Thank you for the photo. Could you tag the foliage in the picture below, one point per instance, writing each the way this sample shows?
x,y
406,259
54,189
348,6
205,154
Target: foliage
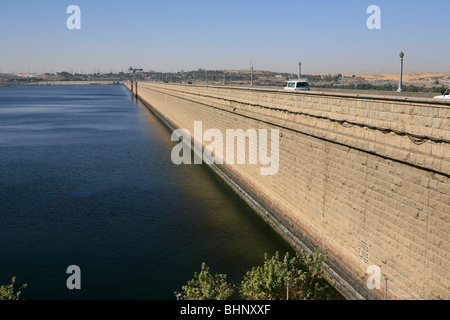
x,y
7,291
300,276
205,286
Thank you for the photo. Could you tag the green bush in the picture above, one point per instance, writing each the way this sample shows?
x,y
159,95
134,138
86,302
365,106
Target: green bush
x,y
7,291
296,277
205,286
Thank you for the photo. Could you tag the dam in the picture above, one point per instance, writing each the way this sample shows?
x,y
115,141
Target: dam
x,y
363,177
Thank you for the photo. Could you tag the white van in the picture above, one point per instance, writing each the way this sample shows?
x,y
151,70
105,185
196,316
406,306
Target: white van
x,y
301,84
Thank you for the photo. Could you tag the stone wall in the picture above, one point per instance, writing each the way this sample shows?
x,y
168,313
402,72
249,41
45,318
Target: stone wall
x,y
365,178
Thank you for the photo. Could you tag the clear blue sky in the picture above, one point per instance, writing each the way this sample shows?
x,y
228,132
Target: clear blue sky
x,y
327,36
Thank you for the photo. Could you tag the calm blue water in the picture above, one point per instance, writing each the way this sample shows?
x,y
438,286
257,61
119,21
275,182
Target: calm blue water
x,y
86,179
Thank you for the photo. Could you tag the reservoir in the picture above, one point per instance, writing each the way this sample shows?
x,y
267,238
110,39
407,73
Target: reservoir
x,y
86,179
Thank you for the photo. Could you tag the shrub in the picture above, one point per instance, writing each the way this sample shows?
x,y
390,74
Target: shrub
x,y
298,278
205,286
7,291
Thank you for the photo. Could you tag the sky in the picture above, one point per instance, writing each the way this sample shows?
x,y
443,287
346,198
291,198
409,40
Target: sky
x,y
326,36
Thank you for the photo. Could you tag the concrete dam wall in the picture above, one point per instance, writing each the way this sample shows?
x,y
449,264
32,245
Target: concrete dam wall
x,y
364,178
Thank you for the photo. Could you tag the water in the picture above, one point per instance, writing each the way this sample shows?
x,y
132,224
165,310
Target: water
x,y
86,179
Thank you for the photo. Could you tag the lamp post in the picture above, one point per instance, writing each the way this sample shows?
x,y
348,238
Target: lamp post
x,y
251,74
299,70
400,89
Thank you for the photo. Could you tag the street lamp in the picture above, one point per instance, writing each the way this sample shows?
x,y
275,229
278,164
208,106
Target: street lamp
x,y
299,70
251,74
400,89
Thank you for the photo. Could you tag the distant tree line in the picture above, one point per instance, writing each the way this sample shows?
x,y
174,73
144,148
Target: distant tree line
x,y
202,76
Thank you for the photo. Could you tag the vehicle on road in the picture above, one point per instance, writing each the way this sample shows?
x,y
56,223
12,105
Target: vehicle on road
x,y
445,95
301,84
